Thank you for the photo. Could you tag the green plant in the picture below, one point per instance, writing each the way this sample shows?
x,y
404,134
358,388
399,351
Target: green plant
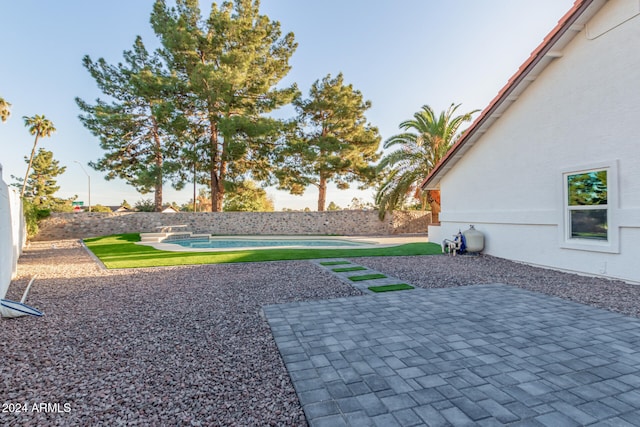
x,y
100,208
334,262
32,215
145,205
425,140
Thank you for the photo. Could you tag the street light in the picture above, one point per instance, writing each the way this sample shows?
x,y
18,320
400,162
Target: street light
x,y
89,179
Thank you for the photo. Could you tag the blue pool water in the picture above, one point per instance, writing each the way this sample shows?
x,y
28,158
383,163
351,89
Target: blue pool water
x,y
247,243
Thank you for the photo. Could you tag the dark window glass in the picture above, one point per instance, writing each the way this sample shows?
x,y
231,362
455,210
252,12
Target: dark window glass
x,y
589,224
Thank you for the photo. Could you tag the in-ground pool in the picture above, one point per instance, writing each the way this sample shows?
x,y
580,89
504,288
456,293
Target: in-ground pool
x,y
244,243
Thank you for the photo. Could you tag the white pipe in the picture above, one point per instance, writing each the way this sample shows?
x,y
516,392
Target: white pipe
x,y
26,291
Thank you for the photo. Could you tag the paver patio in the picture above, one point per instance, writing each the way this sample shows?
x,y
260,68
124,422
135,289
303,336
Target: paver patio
x,y
473,355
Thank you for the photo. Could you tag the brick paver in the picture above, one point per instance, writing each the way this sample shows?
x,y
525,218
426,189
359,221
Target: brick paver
x,y
473,355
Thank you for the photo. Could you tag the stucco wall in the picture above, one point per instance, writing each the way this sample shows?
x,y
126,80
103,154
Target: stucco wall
x,y
81,225
582,110
12,234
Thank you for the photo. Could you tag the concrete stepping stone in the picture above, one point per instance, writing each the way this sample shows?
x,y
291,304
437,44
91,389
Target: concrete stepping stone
x,y
346,270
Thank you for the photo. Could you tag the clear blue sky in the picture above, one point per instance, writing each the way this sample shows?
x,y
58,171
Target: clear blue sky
x,y
401,54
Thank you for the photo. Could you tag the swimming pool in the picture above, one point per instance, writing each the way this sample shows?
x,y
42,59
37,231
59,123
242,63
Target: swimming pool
x,y
263,243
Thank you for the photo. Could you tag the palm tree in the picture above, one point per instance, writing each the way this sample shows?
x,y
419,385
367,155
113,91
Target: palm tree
x,y
38,126
4,109
426,139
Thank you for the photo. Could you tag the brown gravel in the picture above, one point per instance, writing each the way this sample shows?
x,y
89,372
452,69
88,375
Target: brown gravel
x,y
164,346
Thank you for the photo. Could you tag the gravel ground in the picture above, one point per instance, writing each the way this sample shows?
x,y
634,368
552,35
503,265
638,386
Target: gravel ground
x,y
446,271
152,347
187,345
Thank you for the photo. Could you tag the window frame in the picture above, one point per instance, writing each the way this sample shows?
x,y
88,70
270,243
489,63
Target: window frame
x,y
611,244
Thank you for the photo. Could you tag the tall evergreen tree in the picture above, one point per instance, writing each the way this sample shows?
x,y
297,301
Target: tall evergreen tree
x,y
140,128
5,111
231,63
425,140
334,142
38,126
41,183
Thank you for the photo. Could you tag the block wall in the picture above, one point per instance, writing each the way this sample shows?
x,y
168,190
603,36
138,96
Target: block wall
x,y
82,225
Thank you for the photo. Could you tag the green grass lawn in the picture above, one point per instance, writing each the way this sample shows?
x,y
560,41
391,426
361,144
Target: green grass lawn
x,y
120,251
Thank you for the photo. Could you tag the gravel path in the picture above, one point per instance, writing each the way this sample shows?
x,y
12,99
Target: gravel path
x,y
188,345
445,271
165,346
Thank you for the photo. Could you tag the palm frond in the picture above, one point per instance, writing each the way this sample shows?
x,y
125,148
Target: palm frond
x,y
424,142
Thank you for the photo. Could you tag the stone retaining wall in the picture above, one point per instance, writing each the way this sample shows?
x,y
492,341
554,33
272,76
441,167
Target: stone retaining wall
x,y
81,225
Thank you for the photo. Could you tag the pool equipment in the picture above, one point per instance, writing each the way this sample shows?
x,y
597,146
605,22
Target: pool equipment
x,y
473,239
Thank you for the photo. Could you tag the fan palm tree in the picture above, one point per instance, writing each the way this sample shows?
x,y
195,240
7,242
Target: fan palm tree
x,y
425,140
4,109
38,126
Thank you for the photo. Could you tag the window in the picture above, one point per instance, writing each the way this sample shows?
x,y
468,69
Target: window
x,y
589,208
587,205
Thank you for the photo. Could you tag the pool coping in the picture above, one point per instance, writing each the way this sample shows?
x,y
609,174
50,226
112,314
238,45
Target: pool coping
x,y
366,242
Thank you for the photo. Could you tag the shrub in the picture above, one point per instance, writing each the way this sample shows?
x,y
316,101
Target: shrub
x,y
145,205
100,208
32,215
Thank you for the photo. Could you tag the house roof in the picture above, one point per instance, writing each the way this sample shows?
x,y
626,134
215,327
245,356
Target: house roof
x,y
550,49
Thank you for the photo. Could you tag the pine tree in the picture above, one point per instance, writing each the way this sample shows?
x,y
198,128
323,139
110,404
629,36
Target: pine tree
x,y
140,128
230,63
334,142
41,183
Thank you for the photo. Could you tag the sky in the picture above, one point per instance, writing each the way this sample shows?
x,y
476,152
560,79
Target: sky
x,y
401,54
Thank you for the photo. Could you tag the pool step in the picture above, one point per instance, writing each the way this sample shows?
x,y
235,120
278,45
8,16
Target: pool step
x,y
160,236
152,237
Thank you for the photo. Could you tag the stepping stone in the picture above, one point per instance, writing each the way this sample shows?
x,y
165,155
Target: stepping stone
x,y
361,277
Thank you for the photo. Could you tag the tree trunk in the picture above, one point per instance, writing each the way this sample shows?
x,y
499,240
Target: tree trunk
x,y
33,152
214,190
217,201
223,174
217,186
215,158
194,185
433,196
159,161
322,193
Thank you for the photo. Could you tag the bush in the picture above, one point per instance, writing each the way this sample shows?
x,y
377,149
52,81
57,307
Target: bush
x,y
145,205
32,215
100,208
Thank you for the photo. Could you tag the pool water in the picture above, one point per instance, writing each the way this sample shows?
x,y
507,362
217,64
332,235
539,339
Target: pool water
x,y
262,243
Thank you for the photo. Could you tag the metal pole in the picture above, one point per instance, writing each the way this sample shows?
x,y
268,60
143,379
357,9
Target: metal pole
x,y
88,179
